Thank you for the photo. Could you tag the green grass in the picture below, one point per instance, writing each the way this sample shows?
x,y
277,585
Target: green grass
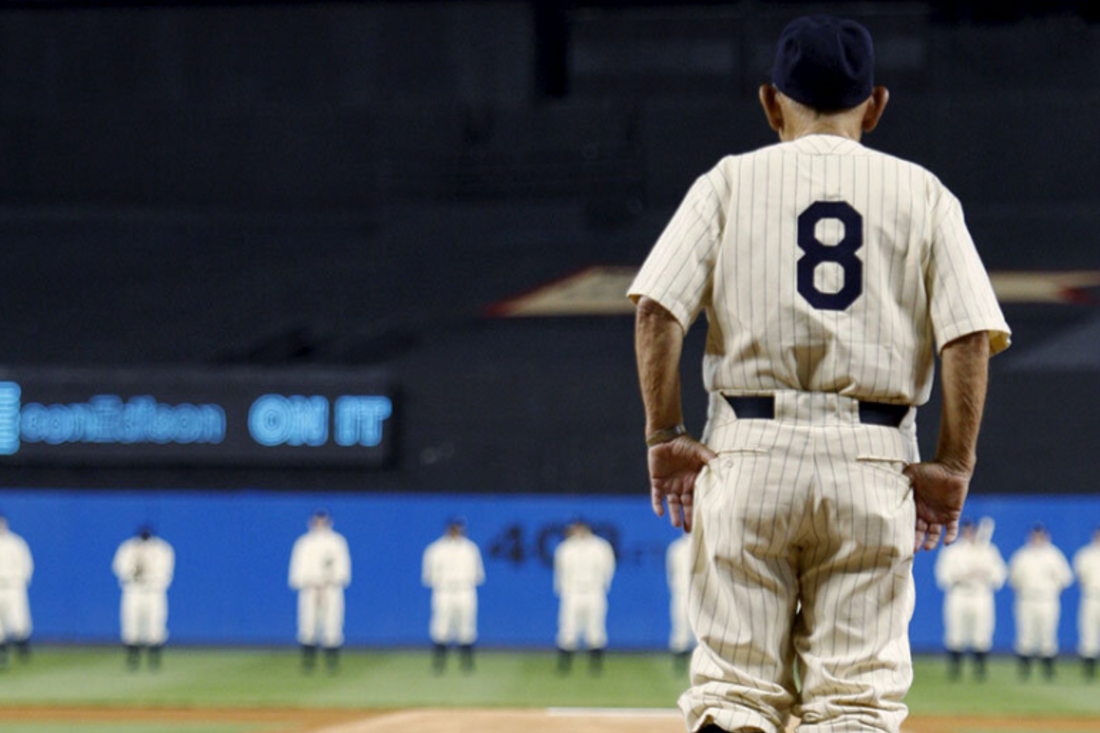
x,y
399,679
261,678
1003,694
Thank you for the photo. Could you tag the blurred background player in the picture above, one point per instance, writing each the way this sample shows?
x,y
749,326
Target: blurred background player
x,y
1086,563
320,569
970,572
144,565
1038,572
584,565
16,569
452,568
678,568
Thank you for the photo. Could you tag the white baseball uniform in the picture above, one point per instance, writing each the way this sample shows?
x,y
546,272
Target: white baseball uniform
x,y
1038,574
452,568
584,565
969,572
678,569
830,274
320,569
16,569
144,569
1086,563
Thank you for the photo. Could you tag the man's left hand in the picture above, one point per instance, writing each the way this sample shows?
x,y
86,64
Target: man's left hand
x,y
673,468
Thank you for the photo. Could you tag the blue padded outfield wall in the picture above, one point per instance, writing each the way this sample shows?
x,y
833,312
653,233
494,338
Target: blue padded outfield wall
x,y
233,549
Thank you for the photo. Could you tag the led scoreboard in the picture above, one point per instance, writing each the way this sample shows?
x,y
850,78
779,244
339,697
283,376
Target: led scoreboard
x,y
207,417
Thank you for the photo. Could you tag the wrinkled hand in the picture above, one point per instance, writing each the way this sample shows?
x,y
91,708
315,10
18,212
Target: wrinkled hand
x,y
673,467
940,492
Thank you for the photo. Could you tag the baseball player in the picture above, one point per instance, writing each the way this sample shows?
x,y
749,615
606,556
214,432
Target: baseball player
x,y
452,568
1086,563
969,572
831,275
678,569
584,565
144,566
16,569
320,569
1038,572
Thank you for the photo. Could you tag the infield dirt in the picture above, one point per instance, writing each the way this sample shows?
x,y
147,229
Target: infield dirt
x,y
305,720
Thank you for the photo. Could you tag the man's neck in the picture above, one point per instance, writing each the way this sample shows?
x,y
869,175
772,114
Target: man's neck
x,y
822,127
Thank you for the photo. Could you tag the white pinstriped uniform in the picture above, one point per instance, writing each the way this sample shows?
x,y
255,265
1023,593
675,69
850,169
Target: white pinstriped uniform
x,y
678,569
16,571
812,507
970,572
1086,564
1038,573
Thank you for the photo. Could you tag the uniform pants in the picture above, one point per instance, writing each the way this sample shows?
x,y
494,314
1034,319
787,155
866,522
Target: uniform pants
x,y
15,614
680,640
968,620
144,616
803,549
1037,627
582,613
1088,627
454,617
321,616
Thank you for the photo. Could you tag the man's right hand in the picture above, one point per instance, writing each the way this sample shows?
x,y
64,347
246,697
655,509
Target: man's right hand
x,y
940,492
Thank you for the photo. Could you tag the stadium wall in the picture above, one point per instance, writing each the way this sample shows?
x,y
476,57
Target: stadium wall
x,y
233,549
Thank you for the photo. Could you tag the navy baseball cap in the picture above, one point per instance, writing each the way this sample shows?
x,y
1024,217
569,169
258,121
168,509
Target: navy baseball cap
x,y
824,62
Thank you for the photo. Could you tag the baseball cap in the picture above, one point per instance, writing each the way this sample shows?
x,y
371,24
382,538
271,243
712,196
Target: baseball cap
x,y
825,62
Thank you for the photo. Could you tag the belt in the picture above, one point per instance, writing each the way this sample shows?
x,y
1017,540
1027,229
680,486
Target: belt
x,y
762,407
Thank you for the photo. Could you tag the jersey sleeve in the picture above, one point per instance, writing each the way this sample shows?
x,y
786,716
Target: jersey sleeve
x,y
960,295
943,569
426,566
479,567
343,565
679,271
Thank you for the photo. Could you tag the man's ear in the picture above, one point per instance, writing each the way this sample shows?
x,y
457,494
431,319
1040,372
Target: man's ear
x,y
880,97
769,100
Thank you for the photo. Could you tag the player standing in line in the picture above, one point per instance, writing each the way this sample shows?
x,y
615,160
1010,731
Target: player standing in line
x,y
678,569
320,570
1086,563
452,568
16,569
831,275
969,572
144,565
1038,572
584,565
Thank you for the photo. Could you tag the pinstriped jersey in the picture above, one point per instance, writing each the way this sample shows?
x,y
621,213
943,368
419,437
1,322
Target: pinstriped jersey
x,y
822,266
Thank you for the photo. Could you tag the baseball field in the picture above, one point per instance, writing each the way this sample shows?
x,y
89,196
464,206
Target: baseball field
x,y
89,690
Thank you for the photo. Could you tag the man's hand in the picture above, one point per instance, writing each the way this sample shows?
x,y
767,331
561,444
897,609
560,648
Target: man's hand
x,y
940,492
673,467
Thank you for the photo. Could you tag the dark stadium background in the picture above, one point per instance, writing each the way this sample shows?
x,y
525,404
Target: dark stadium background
x,y
258,191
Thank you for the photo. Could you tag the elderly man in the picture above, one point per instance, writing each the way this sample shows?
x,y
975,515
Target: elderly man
x,y
831,275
